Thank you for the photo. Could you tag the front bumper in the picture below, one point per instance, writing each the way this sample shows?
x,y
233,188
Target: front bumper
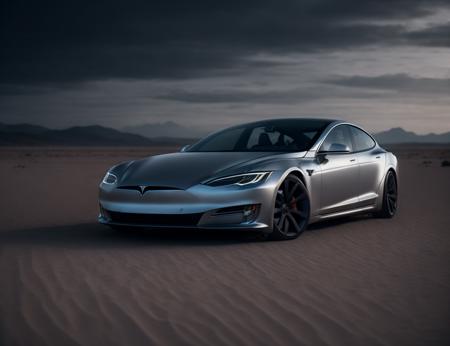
x,y
201,206
214,219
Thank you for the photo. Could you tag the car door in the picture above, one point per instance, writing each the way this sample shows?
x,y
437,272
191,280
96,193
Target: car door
x,y
371,162
339,172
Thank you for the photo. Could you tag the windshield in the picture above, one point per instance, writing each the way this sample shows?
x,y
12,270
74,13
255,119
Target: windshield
x,y
286,135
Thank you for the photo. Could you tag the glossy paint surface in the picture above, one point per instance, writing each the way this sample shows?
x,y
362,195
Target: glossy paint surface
x,y
338,183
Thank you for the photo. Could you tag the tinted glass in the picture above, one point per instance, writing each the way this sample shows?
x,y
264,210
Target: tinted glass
x,y
340,135
361,140
286,135
223,141
261,137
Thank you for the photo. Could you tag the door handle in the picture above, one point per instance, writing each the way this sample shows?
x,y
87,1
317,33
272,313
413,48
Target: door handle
x,y
352,160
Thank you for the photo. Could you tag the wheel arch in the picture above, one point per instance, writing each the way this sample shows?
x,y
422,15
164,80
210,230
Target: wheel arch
x,y
299,175
392,169
381,187
290,171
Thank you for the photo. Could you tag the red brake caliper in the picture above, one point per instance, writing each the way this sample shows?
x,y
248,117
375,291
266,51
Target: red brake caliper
x,y
293,204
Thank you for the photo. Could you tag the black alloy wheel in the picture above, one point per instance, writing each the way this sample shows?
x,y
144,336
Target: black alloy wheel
x,y
390,196
291,210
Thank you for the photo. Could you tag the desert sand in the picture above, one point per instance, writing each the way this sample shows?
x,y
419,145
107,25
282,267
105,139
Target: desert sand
x,y
66,280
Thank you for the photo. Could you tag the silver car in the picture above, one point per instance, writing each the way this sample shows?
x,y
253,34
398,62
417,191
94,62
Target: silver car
x,y
276,176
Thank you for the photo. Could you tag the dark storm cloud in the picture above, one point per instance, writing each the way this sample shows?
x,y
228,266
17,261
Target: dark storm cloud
x,y
72,41
234,96
289,96
398,82
437,36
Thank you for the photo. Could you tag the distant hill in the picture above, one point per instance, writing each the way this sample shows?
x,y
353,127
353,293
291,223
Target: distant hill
x,y
399,135
22,128
166,129
25,134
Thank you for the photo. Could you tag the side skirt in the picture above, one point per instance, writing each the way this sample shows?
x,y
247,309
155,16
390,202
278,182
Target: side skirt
x,y
343,213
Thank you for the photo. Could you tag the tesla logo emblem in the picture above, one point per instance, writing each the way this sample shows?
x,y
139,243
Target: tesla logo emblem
x,y
142,189
310,171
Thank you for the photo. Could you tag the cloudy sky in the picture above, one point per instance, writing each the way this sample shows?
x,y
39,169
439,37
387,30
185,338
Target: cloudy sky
x,y
208,64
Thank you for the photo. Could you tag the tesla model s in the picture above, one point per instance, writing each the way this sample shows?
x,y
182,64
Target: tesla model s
x,y
276,176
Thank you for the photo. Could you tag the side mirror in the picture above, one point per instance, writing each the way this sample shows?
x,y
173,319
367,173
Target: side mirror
x,y
337,148
321,157
184,148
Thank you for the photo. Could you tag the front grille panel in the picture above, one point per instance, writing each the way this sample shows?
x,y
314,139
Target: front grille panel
x,y
186,220
143,189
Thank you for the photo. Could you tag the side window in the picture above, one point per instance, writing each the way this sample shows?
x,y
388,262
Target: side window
x,y
340,135
361,140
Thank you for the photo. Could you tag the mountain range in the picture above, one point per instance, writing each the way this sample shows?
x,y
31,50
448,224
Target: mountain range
x,y
33,135
399,135
168,133
165,129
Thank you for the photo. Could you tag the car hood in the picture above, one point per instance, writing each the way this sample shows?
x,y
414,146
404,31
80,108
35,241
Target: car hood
x,y
183,170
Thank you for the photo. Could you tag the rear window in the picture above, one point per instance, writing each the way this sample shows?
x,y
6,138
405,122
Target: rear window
x,y
362,141
339,135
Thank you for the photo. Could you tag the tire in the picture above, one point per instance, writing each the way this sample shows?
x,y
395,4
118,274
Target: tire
x,y
291,210
390,196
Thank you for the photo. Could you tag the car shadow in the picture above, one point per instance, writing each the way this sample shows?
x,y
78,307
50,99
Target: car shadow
x,y
349,219
96,235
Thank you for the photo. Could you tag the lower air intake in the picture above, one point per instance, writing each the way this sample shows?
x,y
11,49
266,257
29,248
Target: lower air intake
x,y
186,220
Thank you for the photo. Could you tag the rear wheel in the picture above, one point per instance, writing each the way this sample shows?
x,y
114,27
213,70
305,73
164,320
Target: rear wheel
x,y
390,195
291,210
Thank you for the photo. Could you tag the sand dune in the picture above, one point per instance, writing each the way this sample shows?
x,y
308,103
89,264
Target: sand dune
x,y
356,281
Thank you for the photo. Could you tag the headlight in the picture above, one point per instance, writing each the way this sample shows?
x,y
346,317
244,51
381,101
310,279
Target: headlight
x,y
110,178
240,179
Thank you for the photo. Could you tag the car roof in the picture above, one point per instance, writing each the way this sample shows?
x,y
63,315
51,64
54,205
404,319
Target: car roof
x,y
311,121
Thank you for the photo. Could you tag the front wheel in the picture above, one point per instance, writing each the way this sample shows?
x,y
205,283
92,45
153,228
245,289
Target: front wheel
x,y
390,195
291,210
